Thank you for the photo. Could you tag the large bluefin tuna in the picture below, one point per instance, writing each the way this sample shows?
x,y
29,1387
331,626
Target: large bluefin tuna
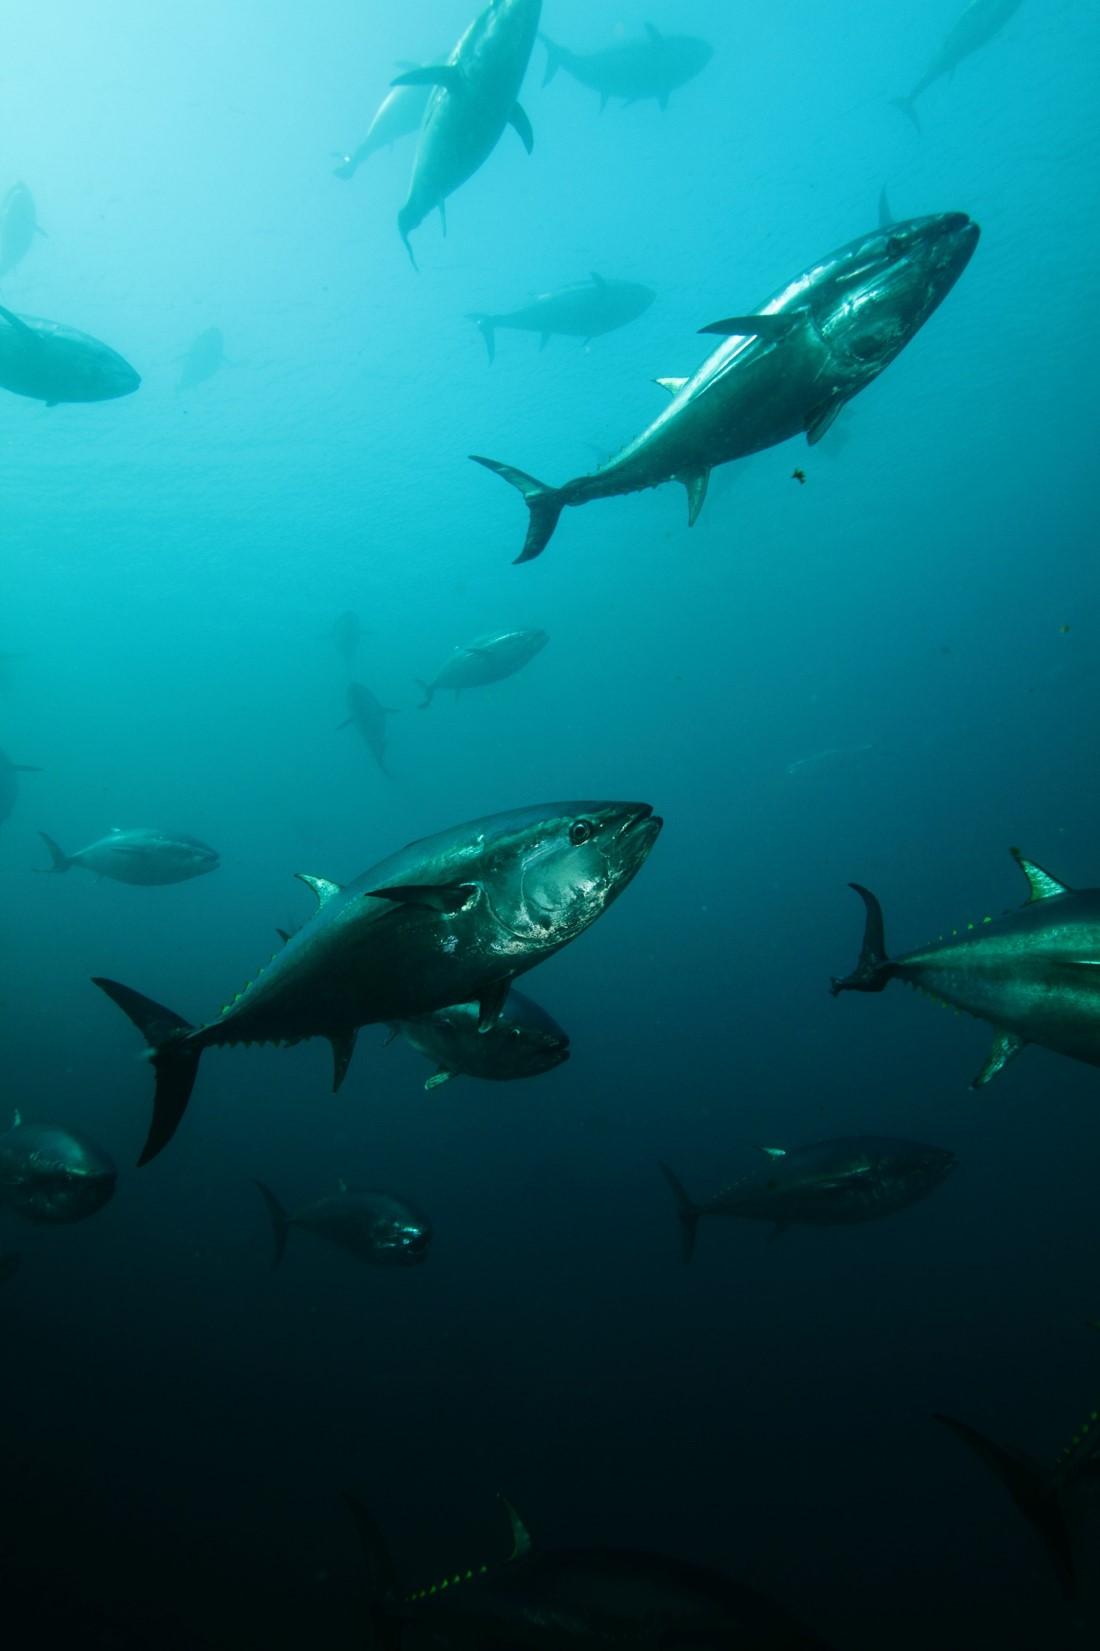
x,y
653,66
1033,974
372,1226
138,856
201,360
453,918
52,363
981,20
585,310
53,1175
474,97
786,369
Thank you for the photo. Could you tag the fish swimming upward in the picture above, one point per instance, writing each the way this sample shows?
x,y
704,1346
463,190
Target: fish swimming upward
x,y
1033,974
977,26
487,659
398,115
786,369
452,918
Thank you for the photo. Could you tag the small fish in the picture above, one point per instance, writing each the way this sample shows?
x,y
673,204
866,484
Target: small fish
x,y
488,659
633,70
201,359
524,1042
372,1226
1063,630
138,856
368,717
53,1175
53,363
799,476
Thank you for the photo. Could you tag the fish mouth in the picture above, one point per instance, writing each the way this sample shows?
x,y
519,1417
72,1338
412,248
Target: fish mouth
x,y
641,815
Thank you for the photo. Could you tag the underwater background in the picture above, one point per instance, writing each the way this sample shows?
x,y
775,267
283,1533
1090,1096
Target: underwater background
x,y
888,674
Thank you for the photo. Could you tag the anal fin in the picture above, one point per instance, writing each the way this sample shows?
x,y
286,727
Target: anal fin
x,y
696,483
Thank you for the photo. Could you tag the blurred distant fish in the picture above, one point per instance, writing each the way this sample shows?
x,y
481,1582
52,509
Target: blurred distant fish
x,y
828,1184
52,363
489,659
18,227
453,918
830,757
9,785
371,1226
978,24
473,98
347,633
788,367
584,310
9,1266
399,114
524,1042
138,856
201,359
53,1175
368,717
635,69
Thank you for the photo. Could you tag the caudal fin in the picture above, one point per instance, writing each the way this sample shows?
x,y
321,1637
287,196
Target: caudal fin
x,y
174,1060
383,1632
61,861
1031,1490
484,325
873,969
280,1221
544,503
687,1211
555,57
908,107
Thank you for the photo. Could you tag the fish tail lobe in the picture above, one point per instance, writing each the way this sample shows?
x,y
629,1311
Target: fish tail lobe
x,y
545,505
60,860
873,968
174,1059
555,57
687,1212
908,107
485,326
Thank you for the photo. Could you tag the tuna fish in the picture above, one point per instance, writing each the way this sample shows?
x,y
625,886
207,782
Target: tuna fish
x,y
453,918
201,359
522,1043
1033,974
787,368
371,1226
138,856
9,784
585,310
52,363
473,98
977,26
368,718
828,1184
634,70
18,227
489,659
399,114
53,1175
575,1598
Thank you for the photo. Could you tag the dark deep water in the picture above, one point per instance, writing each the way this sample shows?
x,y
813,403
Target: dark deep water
x,y
888,674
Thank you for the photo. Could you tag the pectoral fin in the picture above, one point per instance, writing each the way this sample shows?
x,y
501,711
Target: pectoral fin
x,y
444,897
518,119
1041,884
821,422
490,1004
772,327
672,385
432,74
696,483
1005,1046
438,1077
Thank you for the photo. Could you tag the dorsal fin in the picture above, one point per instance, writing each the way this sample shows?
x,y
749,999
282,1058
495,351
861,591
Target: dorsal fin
x,y
1042,885
321,886
521,1536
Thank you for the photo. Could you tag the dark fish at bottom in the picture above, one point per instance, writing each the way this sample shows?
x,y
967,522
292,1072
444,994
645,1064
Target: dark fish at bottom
x,y
371,1226
53,1175
524,1042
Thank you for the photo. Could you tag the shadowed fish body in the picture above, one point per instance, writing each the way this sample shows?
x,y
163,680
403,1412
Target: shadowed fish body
x,y
568,1599
18,227
1033,974
453,918
522,1043
787,368
827,1184
489,659
398,115
473,98
368,718
53,1175
52,363
977,26
139,856
202,359
371,1226
9,783
634,70
585,310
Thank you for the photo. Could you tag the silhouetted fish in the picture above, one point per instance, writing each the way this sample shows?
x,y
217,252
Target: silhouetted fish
x,y
399,114
981,20
201,359
653,66
368,717
53,1175
584,310
488,659
371,1226
138,856
52,363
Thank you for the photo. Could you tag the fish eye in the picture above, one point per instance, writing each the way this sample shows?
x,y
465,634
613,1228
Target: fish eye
x,y
580,831
894,247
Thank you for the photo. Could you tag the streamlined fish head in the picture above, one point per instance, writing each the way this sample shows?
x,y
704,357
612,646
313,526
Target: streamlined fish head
x,y
878,292
53,1175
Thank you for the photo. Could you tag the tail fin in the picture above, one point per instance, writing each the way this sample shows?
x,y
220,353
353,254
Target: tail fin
x,y
347,167
1031,1491
544,503
280,1221
874,968
484,325
555,57
688,1212
908,107
61,861
428,692
174,1061
383,1633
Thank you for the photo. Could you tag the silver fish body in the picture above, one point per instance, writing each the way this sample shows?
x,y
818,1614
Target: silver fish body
x,y
140,855
53,363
